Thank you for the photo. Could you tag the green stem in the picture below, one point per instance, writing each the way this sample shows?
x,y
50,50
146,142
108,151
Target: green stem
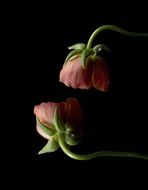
x,y
67,151
93,155
116,29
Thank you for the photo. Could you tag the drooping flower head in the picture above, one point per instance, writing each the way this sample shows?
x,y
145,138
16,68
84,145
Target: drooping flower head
x,y
70,114
84,69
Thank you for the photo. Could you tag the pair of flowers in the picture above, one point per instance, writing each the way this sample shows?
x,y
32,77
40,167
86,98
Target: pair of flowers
x,y
82,71
61,123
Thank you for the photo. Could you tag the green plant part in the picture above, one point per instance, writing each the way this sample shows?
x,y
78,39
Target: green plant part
x,y
66,149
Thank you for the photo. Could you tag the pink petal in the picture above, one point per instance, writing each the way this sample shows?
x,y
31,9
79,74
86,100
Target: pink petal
x,y
74,115
45,112
74,75
100,76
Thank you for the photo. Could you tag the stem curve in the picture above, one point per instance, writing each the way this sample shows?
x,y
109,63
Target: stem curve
x,y
93,155
116,29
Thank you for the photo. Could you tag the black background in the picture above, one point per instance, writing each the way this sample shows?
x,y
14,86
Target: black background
x,y
37,36
116,119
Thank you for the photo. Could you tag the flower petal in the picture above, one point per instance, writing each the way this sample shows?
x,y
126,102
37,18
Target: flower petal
x,y
45,112
74,75
74,116
100,76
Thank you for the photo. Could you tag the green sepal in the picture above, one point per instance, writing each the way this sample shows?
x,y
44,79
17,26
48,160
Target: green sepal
x,y
101,46
49,131
51,146
72,139
85,54
59,125
79,46
72,53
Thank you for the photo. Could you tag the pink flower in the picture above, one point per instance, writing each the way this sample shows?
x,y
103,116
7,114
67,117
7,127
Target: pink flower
x,y
95,74
70,113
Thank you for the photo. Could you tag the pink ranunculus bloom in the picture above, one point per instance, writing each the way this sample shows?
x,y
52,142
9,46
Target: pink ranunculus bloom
x,y
95,74
70,113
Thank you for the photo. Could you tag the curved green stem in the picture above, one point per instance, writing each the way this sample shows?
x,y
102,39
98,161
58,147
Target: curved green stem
x,y
93,155
66,149
116,29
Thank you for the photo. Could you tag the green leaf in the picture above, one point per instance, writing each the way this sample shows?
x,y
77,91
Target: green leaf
x,y
99,47
71,54
51,146
86,53
59,125
48,131
80,46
